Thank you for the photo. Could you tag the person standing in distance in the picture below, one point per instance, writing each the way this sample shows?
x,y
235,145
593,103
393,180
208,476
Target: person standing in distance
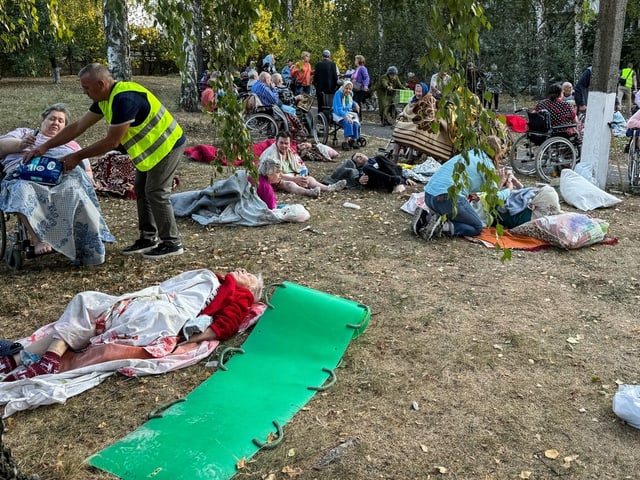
x,y
144,128
325,78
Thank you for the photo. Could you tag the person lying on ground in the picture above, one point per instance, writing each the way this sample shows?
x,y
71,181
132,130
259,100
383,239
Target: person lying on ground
x,y
295,178
465,222
191,307
65,217
377,173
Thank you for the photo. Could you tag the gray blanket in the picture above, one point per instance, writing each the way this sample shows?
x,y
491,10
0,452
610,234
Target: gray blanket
x,y
231,201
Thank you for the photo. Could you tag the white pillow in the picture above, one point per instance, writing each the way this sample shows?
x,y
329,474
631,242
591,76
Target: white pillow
x,y
577,191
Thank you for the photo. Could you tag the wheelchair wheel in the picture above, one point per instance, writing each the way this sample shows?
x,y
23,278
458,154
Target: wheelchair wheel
x,y
362,142
3,234
322,128
555,154
522,156
13,258
261,127
634,164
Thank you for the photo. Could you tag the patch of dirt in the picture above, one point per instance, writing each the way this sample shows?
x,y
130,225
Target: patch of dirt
x,y
465,370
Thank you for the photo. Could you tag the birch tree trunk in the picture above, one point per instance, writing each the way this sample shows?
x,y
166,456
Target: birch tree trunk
x,y
189,94
380,37
578,34
116,31
541,46
602,93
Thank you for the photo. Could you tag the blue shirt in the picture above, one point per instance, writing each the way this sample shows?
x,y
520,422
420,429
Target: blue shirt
x,y
268,96
442,180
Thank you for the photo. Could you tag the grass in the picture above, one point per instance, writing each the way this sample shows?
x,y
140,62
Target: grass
x,y
479,346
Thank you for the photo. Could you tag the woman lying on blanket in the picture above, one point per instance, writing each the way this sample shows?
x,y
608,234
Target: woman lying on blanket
x,y
191,307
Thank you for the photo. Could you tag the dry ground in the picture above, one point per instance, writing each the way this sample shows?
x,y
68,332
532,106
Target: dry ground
x,y
479,347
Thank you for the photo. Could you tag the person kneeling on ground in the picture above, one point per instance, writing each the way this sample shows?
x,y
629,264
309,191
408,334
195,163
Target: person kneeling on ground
x,y
192,307
373,173
294,172
466,222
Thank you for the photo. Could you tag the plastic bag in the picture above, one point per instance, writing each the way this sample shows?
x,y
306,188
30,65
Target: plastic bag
x,y
578,192
626,404
567,230
292,212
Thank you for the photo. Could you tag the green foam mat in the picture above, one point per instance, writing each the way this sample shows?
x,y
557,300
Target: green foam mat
x,y
290,354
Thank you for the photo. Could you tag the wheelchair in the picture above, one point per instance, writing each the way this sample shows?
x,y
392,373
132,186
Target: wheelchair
x,y
542,149
15,245
263,122
326,127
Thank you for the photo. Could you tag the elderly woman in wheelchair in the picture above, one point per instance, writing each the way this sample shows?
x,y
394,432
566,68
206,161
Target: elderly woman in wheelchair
x,y
65,217
345,112
552,141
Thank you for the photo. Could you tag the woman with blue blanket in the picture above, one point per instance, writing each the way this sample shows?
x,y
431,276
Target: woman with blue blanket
x,y
345,112
65,217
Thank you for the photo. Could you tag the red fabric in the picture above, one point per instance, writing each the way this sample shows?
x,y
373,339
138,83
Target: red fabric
x,y
516,123
206,153
229,307
202,153
48,363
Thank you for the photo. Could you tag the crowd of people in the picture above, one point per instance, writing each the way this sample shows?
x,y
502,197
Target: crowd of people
x,y
67,217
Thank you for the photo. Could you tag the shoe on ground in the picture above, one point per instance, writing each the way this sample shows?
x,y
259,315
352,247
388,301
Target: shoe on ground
x,y
420,219
398,188
314,192
345,146
164,250
433,229
141,245
336,187
353,143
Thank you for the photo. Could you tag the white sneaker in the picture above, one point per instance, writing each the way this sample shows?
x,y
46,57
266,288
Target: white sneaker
x,y
398,188
314,192
336,187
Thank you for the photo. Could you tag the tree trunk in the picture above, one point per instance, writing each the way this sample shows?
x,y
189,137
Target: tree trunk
x,y
602,92
290,12
116,31
8,468
381,68
578,33
189,94
541,46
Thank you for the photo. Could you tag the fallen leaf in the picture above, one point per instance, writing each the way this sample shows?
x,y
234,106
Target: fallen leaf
x,y
240,464
424,448
573,340
271,476
291,471
291,452
552,453
439,469
524,474
568,459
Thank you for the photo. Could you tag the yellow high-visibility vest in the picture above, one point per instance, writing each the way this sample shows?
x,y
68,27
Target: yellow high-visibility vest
x,y
148,143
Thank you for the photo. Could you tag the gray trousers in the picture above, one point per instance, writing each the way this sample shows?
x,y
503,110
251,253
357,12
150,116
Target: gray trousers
x,y
153,188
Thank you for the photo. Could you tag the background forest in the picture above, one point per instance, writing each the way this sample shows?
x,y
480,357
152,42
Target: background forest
x,y
532,42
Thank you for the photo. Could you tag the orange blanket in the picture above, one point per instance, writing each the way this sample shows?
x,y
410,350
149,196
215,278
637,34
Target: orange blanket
x,y
517,242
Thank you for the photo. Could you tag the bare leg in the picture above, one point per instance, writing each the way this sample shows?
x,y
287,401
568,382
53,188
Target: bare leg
x,y
292,187
39,246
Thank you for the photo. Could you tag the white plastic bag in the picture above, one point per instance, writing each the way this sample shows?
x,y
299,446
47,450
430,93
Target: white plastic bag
x,y
293,212
580,193
626,404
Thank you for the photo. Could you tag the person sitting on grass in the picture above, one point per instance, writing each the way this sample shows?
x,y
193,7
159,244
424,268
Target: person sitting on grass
x,y
269,175
372,173
192,307
465,222
294,172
